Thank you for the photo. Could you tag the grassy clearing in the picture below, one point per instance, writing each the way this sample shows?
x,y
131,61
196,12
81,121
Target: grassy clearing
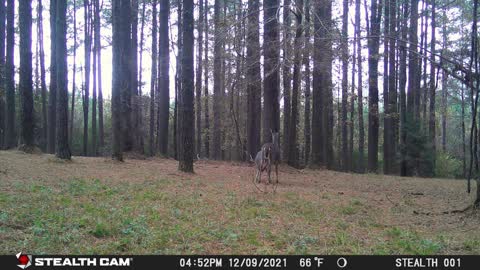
x,y
191,214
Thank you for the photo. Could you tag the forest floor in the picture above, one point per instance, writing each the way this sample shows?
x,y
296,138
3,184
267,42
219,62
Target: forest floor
x,y
99,206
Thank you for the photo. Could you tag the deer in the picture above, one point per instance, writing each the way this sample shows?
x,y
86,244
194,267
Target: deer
x,y
268,155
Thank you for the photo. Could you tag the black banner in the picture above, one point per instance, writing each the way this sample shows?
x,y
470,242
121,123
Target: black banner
x,y
30,261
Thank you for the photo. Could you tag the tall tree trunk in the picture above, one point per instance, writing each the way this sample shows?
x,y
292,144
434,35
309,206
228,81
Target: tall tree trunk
x,y
352,102
62,148
344,158
163,76
25,80
187,115
94,150
101,132
120,72
218,90
43,84
402,86
444,81
86,96
52,98
254,87
392,88
137,125
431,125
287,78
319,95
293,151
198,77
413,78
178,83
387,129
152,145
2,75
373,52
361,128
207,115
306,63
271,119
74,71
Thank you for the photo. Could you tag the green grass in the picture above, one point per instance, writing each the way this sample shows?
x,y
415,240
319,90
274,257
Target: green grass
x,y
92,216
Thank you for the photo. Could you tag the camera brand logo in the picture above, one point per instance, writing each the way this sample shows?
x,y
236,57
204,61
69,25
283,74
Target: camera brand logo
x,y
24,261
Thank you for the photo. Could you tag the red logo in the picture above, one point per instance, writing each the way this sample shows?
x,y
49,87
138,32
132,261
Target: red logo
x,y
24,261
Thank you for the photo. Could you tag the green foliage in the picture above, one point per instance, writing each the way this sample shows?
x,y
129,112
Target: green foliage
x,y
407,242
419,149
447,166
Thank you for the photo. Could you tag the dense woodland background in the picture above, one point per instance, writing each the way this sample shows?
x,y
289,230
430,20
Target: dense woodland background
x,y
362,86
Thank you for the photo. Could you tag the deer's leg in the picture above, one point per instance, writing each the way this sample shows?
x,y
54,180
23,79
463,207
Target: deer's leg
x,y
269,173
276,171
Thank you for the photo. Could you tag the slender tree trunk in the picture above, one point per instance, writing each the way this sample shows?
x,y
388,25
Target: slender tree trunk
x,y
164,81
86,95
207,116
43,84
402,87
187,115
306,63
345,160
431,125
287,78
218,90
271,119
2,75
392,89
198,86
138,144
351,122
94,150
387,129
152,145
361,128
62,148
120,74
101,132
74,72
444,82
293,151
178,83
52,99
253,80
373,52
413,78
